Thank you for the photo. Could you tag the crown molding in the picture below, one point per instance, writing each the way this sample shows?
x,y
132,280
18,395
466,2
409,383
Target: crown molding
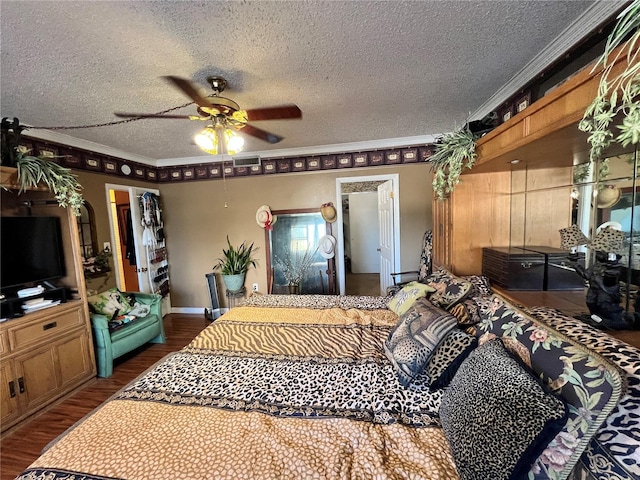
x,y
306,151
62,139
592,18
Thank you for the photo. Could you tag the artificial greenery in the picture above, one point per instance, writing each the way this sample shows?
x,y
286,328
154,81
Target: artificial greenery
x,y
617,94
235,261
34,170
455,151
295,267
64,184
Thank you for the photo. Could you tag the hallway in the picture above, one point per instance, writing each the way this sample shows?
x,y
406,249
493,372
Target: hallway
x,y
362,284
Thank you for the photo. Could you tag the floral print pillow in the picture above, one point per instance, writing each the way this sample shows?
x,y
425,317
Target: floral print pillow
x,y
589,384
449,289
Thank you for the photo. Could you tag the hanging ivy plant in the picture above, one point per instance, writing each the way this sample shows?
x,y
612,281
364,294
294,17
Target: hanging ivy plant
x,y
620,94
454,152
64,184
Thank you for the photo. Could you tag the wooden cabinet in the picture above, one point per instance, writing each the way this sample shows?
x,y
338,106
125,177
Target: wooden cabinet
x,y
476,215
480,211
45,354
49,354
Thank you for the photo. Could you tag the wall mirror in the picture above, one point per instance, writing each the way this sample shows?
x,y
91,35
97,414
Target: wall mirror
x,y
594,199
295,263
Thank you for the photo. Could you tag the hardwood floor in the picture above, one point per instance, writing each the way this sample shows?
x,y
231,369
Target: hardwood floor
x,y
22,445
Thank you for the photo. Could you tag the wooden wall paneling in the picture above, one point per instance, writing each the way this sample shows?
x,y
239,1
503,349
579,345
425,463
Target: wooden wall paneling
x,y
442,232
480,217
548,205
553,117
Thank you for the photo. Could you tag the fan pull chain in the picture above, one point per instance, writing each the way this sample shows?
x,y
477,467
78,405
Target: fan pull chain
x,y
108,124
224,185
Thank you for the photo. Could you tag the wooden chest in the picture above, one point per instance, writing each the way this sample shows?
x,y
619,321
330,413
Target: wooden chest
x,y
514,268
559,273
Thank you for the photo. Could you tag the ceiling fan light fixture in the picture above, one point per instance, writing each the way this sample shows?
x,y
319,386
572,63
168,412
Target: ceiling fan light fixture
x,y
209,142
235,142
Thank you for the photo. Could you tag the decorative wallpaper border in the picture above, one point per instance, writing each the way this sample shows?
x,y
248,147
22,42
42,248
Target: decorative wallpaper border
x,y
79,159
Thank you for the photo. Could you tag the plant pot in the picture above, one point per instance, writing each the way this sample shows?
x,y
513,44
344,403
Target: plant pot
x,y
234,283
293,288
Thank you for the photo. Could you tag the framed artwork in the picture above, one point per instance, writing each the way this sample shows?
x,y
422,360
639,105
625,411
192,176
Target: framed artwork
x,y
523,102
506,113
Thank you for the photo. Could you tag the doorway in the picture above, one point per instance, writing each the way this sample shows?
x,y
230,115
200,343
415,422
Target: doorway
x,y
120,223
382,232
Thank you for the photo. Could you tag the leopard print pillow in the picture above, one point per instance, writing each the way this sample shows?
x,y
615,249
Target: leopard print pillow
x,y
491,384
415,337
448,356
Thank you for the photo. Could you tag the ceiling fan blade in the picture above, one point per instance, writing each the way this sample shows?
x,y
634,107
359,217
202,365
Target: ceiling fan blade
x,y
157,115
261,134
192,92
273,113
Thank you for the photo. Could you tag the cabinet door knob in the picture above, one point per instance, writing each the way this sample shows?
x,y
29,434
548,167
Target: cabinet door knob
x,y
525,265
21,384
12,389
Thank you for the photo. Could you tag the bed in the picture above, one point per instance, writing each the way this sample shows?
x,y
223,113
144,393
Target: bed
x,y
290,386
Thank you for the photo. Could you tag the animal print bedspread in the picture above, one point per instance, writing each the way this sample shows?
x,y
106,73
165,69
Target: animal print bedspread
x,y
270,398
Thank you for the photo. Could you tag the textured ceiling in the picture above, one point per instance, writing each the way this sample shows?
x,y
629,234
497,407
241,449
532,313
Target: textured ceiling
x,y
360,71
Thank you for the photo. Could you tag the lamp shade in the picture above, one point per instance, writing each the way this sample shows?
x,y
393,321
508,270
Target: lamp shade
x,y
572,237
608,240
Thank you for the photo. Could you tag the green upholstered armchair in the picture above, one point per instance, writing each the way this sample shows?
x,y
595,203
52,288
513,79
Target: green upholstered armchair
x,y
111,344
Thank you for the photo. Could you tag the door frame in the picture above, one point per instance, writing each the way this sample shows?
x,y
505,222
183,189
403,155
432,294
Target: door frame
x,y
395,180
140,253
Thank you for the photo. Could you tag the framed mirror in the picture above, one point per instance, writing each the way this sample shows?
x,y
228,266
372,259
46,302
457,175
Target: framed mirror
x,y
297,263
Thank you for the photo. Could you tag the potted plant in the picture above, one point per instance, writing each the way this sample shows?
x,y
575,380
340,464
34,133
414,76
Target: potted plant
x,y
32,170
234,263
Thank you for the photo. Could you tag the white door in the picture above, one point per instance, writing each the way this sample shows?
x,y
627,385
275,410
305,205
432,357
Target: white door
x,y
363,232
385,222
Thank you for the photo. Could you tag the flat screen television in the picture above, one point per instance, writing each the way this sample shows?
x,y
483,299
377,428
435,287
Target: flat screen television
x,y
30,251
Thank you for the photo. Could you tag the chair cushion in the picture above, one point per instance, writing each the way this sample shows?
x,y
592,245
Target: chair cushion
x,y
402,301
497,416
415,337
110,303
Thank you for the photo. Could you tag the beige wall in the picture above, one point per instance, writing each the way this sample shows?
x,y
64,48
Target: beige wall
x,y
197,222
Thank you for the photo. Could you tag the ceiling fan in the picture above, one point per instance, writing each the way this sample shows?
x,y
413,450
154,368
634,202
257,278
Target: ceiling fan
x,y
225,116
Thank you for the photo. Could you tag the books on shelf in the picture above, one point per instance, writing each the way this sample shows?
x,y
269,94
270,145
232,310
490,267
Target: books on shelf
x,y
38,304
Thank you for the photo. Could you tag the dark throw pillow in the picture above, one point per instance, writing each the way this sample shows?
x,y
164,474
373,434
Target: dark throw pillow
x,y
415,337
496,415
